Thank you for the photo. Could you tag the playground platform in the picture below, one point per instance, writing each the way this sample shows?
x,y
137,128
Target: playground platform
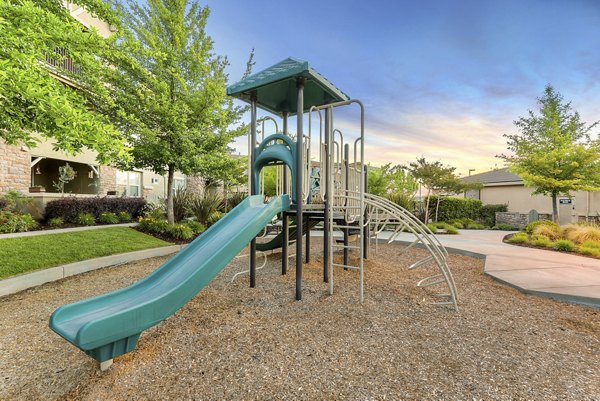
x,y
561,276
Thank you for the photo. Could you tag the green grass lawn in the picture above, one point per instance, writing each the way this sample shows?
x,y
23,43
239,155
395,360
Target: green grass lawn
x,y
25,254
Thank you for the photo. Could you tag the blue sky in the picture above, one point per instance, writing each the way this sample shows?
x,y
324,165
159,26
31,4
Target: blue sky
x,y
442,79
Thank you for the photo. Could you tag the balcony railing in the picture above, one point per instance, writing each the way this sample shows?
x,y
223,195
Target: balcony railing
x,y
62,63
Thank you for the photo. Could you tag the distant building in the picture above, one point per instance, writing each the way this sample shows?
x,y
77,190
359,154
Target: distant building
x,y
503,187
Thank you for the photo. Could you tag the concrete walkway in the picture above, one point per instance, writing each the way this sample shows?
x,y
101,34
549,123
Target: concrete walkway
x,y
64,230
561,276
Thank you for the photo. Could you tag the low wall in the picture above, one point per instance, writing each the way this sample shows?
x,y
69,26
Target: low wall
x,y
516,219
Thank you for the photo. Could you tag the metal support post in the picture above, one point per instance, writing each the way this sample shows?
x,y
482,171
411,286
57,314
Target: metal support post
x,y
325,177
346,185
299,182
366,218
284,247
307,252
253,186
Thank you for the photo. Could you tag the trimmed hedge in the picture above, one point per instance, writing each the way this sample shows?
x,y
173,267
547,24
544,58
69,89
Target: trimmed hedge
x,y
70,207
488,213
455,208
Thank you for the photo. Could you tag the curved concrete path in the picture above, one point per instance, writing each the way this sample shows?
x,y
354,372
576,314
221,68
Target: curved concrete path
x,y
562,276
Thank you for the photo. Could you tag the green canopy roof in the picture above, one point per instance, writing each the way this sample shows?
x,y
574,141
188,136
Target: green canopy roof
x,y
275,87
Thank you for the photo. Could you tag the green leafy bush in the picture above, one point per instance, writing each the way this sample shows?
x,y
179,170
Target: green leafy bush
x,y
124,217
86,219
475,226
504,227
531,226
445,227
487,215
183,199
233,200
214,217
455,208
196,227
590,248
179,231
56,222
541,240
402,200
153,210
108,218
204,206
11,222
564,245
153,226
519,238
69,208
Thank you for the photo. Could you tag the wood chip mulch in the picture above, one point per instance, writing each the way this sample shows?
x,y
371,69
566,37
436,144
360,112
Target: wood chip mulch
x,y
233,342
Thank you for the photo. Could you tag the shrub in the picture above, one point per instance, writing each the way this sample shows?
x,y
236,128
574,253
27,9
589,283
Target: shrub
x,y
432,227
531,226
550,231
455,208
451,229
108,218
70,207
204,206
154,226
564,245
214,217
3,204
11,222
124,217
56,222
519,238
541,240
580,234
475,226
458,225
504,227
183,199
447,228
153,210
401,200
196,227
86,219
179,231
487,213
590,248
233,200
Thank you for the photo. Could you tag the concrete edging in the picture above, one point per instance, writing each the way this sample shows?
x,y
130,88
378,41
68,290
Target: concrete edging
x,y
19,283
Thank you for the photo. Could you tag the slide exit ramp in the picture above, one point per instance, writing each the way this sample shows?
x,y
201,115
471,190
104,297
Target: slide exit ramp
x,y
110,325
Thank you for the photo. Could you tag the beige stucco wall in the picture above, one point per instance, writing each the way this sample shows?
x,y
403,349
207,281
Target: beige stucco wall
x,y
87,20
520,199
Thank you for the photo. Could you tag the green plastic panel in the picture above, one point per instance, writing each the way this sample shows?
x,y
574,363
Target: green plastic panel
x,y
275,87
109,325
270,151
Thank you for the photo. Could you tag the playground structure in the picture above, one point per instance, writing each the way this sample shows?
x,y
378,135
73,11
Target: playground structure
x,y
325,186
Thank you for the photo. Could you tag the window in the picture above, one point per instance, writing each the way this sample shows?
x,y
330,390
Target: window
x,y
129,183
178,183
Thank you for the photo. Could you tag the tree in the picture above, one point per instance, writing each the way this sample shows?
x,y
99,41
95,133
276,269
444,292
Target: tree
x,y
33,103
436,178
554,152
168,90
391,180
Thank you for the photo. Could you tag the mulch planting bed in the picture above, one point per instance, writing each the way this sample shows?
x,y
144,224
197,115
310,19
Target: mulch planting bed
x,y
233,342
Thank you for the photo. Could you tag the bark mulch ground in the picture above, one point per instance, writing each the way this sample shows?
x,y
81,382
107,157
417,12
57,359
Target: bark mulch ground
x,y
233,342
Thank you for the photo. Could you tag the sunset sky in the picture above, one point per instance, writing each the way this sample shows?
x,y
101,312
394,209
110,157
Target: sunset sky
x,y
441,79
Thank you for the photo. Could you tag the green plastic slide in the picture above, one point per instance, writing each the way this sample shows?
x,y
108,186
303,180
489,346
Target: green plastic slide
x,y
110,325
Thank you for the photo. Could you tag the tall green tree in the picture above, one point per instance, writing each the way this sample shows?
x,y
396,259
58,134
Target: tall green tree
x,y
554,152
168,86
436,178
34,104
391,180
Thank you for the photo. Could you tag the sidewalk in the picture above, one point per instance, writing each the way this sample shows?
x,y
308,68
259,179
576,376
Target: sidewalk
x,y
557,275
64,230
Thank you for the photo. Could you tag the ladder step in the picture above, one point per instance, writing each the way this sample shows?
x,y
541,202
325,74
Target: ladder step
x,y
346,266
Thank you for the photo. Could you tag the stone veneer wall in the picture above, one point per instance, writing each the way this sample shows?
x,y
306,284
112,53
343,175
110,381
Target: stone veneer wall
x,y
108,179
516,219
15,170
194,184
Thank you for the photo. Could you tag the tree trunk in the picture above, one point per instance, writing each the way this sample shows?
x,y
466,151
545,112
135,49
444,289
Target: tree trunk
x,y
427,207
554,209
170,213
